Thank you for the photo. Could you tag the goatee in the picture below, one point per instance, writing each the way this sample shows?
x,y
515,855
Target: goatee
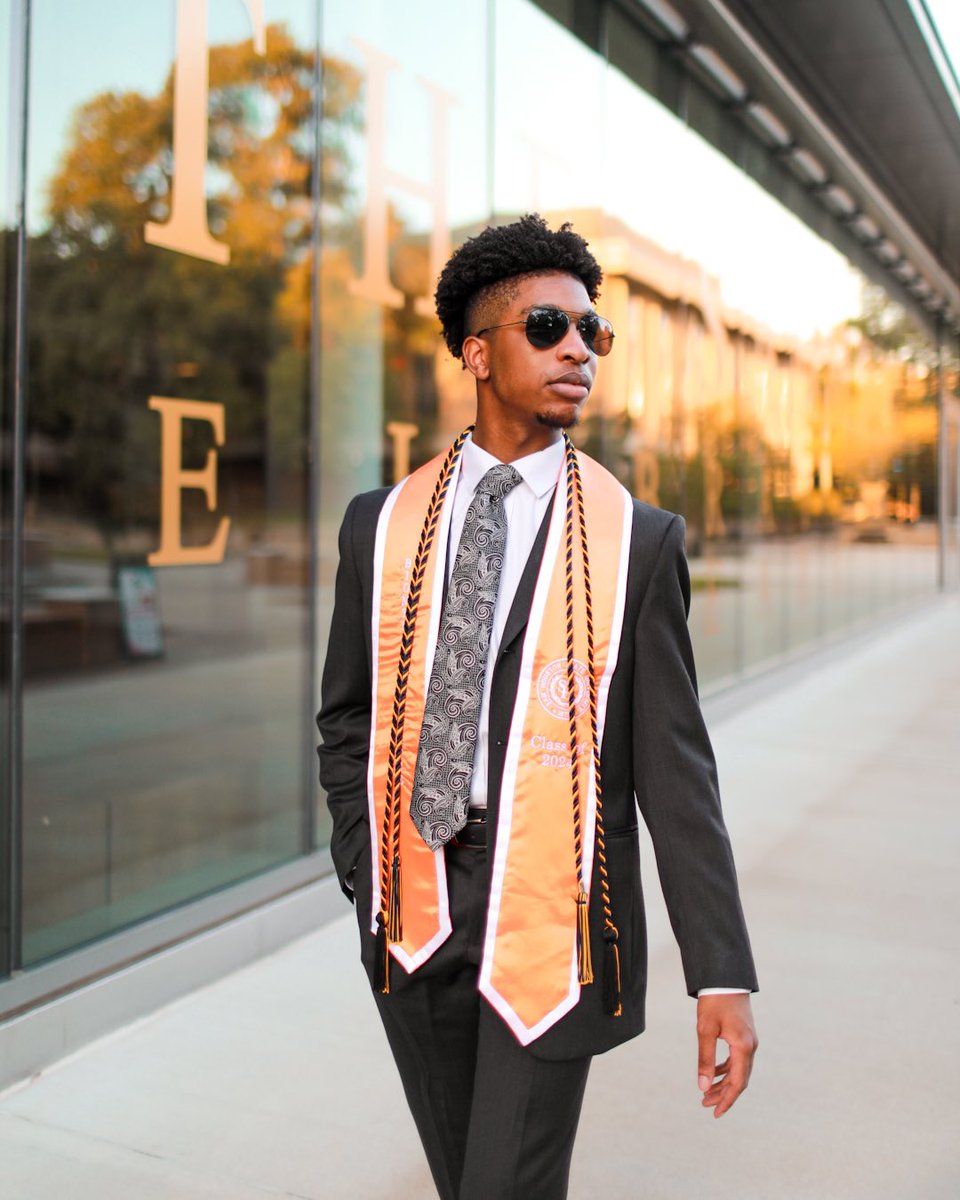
x,y
557,420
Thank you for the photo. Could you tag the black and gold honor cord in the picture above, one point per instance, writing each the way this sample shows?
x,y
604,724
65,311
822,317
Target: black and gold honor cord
x,y
389,918
612,995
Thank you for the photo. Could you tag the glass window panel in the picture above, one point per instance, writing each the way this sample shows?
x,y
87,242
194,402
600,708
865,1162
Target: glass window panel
x,y
167,530
788,306
951,466
10,114
405,178
755,353
545,161
545,145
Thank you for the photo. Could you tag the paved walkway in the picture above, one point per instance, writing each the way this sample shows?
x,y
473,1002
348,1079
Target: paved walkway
x,y
842,791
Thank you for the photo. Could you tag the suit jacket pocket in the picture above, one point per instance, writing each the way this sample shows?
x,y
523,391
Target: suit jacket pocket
x,y
626,901
363,887
624,831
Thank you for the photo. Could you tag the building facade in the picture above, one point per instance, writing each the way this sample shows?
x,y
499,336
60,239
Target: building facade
x,y
221,225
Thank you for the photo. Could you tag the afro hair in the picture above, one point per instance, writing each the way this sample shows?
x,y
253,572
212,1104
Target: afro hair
x,y
502,253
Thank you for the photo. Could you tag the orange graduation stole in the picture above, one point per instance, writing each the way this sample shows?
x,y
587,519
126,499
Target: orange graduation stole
x,y
537,950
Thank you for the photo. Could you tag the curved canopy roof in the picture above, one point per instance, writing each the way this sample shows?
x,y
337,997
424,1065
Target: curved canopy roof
x,y
865,67
856,84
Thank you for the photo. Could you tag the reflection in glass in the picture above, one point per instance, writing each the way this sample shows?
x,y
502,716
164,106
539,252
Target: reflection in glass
x,y
767,393
404,162
164,751
758,386
10,103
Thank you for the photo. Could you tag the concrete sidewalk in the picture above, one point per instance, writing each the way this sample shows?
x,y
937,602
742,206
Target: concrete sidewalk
x,y
842,792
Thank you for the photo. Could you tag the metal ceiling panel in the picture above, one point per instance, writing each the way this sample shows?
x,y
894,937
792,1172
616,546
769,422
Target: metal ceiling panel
x,y
864,68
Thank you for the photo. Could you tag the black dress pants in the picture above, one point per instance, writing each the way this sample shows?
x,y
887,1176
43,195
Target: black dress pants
x,y
496,1123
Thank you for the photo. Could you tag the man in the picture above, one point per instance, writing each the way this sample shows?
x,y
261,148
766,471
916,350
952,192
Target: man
x,y
501,616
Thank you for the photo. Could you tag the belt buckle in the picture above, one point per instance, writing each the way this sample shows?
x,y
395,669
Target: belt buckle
x,y
476,823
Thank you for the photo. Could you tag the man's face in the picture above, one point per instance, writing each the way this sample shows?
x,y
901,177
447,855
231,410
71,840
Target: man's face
x,y
527,385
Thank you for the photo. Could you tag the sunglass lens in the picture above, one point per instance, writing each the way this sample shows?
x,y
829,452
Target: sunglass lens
x,y
588,325
600,335
546,326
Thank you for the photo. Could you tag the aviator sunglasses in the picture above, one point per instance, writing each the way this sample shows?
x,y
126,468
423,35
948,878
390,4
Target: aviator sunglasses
x,y
545,327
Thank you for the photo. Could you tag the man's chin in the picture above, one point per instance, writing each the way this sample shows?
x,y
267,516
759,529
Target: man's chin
x,y
559,419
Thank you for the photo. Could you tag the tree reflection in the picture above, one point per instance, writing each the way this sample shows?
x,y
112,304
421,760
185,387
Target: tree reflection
x,y
114,321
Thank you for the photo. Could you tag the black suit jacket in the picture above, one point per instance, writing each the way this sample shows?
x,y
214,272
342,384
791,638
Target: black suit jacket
x,y
655,754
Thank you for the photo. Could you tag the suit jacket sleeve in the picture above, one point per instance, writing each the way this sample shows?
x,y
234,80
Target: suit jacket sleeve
x,y
344,717
676,784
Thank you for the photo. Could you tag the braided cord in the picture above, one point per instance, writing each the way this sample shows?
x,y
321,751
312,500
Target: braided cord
x,y
608,923
571,671
584,957
390,836
612,1001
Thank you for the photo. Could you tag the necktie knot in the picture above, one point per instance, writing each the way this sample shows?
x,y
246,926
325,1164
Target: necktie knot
x,y
498,481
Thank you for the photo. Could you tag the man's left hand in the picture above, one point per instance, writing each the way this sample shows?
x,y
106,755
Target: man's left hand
x,y
729,1019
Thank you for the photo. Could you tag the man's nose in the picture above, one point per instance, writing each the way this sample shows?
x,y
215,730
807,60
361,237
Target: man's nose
x,y
572,347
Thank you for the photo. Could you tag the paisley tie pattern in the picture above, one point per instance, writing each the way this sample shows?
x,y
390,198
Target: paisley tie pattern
x,y
448,736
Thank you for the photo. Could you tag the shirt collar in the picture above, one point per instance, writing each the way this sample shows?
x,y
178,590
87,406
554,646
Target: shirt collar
x,y
539,471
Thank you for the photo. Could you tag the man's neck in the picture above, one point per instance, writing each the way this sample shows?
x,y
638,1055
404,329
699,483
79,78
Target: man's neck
x,y
509,444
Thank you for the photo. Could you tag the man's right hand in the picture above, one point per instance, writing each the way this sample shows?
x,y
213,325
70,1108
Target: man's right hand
x,y
727,1018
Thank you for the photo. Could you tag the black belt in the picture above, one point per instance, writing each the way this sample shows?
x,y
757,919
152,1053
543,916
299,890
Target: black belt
x,y
473,835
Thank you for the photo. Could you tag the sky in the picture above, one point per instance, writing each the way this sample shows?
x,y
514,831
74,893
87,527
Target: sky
x,y
946,17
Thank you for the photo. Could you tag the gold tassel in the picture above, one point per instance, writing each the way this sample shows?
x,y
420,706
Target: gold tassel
x,y
395,910
612,997
584,965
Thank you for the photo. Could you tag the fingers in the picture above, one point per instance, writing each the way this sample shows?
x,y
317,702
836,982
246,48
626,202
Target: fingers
x,y
733,1080
711,1096
706,1064
719,1071
728,1019
724,1093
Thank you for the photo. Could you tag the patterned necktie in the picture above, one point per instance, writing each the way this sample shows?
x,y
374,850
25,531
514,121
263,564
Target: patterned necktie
x,y
448,737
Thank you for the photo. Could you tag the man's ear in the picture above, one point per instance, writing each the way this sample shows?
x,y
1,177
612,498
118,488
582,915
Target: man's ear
x,y
476,357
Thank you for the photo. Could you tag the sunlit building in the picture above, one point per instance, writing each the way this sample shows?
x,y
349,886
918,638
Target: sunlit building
x,y
221,225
